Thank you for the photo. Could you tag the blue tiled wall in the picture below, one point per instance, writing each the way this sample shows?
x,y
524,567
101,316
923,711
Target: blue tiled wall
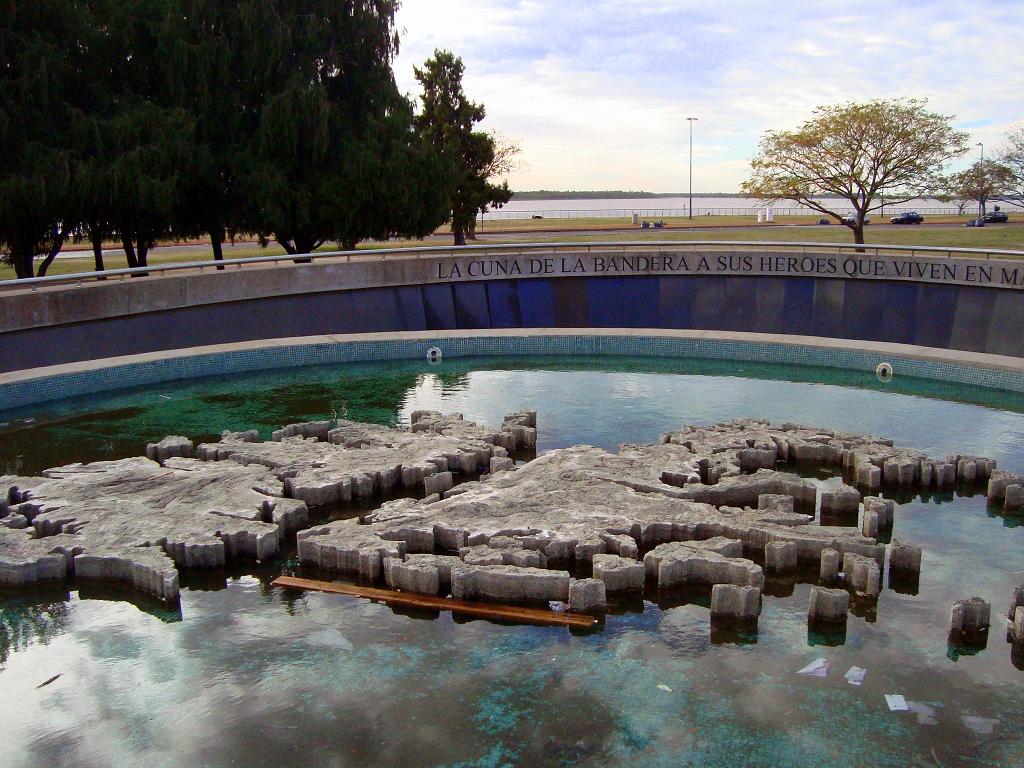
x,y
70,385
950,317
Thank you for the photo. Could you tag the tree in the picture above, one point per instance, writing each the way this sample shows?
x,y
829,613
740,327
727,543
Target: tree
x,y
447,119
204,73
983,181
334,156
944,196
861,153
144,140
1012,157
150,119
507,158
36,66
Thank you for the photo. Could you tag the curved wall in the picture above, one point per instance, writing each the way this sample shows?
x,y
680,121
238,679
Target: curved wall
x,y
937,306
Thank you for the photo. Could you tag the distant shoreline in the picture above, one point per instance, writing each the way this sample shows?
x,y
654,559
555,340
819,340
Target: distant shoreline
x,y
547,194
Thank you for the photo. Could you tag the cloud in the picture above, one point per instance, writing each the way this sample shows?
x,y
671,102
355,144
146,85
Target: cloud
x,y
597,93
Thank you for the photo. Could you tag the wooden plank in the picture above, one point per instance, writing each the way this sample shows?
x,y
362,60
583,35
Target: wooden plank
x,y
517,613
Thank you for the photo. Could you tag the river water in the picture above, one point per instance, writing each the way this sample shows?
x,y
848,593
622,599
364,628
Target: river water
x,y
679,206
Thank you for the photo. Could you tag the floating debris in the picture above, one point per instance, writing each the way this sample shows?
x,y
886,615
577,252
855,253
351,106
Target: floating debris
x,y
47,682
817,668
896,702
855,675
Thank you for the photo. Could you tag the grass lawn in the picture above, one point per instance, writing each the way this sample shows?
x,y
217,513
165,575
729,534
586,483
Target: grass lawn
x,y
1010,237
1002,236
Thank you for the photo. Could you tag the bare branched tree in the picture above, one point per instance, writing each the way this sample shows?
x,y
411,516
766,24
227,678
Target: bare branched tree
x,y
1012,156
862,153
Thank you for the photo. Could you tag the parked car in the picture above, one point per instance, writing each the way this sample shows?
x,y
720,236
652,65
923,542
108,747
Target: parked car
x,y
907,217
850,219
824,221
995,217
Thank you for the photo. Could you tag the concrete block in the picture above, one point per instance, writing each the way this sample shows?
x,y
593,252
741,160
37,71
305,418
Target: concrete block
x,y
169,447
439,482
729,601
679,563
316,430
621,544
780,557
1017,601
862,574
904,559
828,606
416,574
970,615
999,481
1014,498
869,523
587,596
885,508
501,464
775,501
829,566
945,475
619,574
840,500
507,583
869,476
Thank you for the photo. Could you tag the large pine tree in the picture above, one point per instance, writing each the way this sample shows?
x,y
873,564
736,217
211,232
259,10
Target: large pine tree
x,y
36,75
334,158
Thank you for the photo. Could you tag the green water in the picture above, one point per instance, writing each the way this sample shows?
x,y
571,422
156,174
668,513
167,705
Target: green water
x,y
243,674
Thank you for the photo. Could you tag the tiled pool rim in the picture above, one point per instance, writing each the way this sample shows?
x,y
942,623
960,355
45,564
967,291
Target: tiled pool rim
x,y
40,385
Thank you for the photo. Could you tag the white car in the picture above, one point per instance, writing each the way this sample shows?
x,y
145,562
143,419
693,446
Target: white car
x,y
850,219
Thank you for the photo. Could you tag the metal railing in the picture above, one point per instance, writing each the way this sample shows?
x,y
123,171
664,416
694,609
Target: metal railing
x,y
298,261
504,214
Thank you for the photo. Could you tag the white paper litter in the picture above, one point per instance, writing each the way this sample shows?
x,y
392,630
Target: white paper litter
x,y
896,702
663,687
817,668
982,725
855,675
925,714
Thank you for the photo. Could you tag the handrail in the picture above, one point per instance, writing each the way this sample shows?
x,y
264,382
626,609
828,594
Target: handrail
x,y
160,270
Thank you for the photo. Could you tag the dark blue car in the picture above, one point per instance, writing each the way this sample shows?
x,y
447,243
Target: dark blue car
x,y
907,217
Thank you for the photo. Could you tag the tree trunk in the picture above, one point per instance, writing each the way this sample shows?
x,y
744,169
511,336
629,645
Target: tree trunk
x,y
858,235
460,236
304,246
471,235
129,251
58,243
21,257
96,238
143,253
217,243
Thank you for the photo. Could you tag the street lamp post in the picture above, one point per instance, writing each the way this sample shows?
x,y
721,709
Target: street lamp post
x,y
981,197
691,121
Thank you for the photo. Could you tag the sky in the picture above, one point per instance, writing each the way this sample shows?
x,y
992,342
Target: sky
x,y
597,93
